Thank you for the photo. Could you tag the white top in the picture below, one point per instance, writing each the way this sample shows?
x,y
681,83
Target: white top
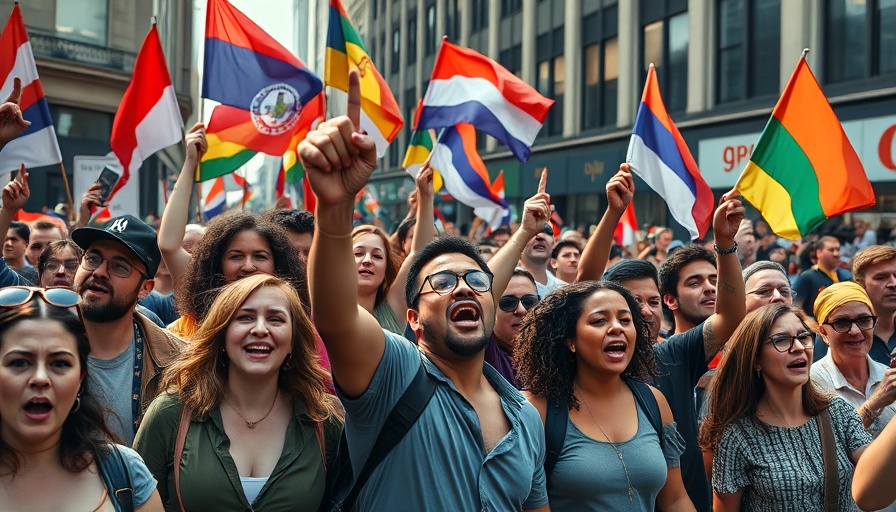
x,y
553,282
252,486
826,374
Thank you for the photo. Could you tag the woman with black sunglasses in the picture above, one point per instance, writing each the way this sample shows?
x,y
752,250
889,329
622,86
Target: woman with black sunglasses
x,y
55,448
846,324
767,421
518,298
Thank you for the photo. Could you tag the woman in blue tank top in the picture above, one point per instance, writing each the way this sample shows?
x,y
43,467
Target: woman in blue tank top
x,y
581,345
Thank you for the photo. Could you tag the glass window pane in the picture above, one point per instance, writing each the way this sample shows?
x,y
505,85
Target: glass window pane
x,y
592,64
611,59
653,44
731,68
611,75
677,70
845,40
559,75
544,78
731,23
887,43
82,20
765,57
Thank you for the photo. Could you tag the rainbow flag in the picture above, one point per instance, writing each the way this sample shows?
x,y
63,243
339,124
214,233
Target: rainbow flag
x,y
803,170
380,115
267,96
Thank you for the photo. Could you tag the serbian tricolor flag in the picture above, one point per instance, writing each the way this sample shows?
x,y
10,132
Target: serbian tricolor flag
x,y
464,174
467,87
624,234
214,201
658,154
37,145
148,118
804,170
494,216
268,97
380,115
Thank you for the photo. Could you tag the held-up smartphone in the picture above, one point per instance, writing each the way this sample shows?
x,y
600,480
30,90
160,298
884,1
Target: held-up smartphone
x,y
107,180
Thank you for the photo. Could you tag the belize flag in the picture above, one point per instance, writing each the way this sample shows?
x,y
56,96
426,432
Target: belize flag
x,y
658,154
463,172
467,87
37,145
268,97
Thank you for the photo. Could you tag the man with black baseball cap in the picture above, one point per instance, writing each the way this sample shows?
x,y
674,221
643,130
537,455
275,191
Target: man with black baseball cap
x,y
128,352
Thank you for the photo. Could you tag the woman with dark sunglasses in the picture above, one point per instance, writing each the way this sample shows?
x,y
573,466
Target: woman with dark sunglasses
x,y
846,324
767,418
56,452
518,298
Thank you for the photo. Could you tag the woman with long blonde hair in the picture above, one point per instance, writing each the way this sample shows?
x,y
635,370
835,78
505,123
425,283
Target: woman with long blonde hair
x,y
260,419
763,428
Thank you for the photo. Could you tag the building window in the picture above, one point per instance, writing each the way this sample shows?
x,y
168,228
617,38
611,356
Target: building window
x,y
452,20
396,50
665,44
412,38
860,39
512,59
749,49
601,68
82,20
479,15
551,79
432,39
509,7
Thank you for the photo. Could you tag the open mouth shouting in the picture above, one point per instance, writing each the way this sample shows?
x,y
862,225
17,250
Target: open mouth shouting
x,y
615,351
465,314
38,408
799,364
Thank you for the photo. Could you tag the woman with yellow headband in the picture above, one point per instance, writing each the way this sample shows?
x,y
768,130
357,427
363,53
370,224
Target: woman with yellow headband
x,y
846,324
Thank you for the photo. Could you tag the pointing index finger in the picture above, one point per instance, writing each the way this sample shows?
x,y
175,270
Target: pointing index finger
x,y
353,109
543,183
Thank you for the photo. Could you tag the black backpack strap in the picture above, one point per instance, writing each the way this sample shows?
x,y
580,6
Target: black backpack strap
x,y
400,420
117,478
555,423
647,402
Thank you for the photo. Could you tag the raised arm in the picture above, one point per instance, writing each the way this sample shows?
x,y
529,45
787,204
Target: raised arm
x,y
730,295
338,161
12,124
872,483
536,211
620,191
177,211
15,195
424,233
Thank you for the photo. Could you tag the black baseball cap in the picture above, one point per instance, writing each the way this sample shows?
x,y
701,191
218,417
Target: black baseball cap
x,y
138,236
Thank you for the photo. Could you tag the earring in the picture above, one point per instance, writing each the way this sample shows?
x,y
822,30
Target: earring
x,y
77,404
758,373
287,362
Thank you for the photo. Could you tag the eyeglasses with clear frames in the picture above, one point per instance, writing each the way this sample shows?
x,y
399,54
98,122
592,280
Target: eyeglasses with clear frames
x,y
784,342
766,292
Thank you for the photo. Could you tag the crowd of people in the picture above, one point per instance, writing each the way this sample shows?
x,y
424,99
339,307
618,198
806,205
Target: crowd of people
x,y
294,361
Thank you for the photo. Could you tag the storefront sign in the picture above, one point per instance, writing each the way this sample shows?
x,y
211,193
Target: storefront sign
x,y
722,160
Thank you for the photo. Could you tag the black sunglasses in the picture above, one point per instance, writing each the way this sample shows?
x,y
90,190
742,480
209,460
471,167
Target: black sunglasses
x,y
509,303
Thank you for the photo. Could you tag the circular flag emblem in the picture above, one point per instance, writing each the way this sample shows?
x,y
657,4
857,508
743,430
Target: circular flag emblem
x,y
275,109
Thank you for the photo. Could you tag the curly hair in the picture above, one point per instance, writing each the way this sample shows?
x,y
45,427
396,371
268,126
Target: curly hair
x,y
736,389
298,221
544,363
204,273
200,375
84,431
392,265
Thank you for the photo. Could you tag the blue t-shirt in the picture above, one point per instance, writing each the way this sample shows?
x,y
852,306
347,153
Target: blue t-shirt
x,y
142,480
441,463
161,305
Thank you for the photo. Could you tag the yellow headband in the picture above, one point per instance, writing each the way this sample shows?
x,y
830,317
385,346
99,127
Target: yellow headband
x,y
837,295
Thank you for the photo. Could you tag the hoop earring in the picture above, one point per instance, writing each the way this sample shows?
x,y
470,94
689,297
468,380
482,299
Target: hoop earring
x,y
77,404
287,362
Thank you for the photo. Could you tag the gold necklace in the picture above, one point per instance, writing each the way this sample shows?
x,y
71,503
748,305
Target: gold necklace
x,y
251,424
631,491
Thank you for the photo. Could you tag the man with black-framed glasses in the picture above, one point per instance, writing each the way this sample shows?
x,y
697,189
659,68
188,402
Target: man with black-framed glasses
x,y
128,351
477,444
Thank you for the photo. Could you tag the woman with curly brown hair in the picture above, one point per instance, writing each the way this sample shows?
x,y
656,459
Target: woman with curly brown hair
x,y
250,393
586,344
767,420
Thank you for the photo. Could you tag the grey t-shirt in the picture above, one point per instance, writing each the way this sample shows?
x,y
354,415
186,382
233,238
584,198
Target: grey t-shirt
x,y
111,381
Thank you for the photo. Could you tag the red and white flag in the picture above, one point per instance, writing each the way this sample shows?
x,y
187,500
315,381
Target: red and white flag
x,y
148,118
624,234
37,145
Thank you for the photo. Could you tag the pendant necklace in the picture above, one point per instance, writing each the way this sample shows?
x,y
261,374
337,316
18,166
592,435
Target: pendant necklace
x,y
251,424
631,491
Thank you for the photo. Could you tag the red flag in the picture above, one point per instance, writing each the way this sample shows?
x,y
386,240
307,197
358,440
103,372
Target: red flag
x,y
148,118
624,234
308,198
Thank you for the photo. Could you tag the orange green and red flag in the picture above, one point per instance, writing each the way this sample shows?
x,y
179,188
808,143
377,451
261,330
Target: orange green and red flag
x,y
803,169
380,115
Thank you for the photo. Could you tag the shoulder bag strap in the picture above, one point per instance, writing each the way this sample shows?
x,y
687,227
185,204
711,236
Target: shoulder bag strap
x,y
116,478
555,424
829,455
179,442
645,399
400,420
